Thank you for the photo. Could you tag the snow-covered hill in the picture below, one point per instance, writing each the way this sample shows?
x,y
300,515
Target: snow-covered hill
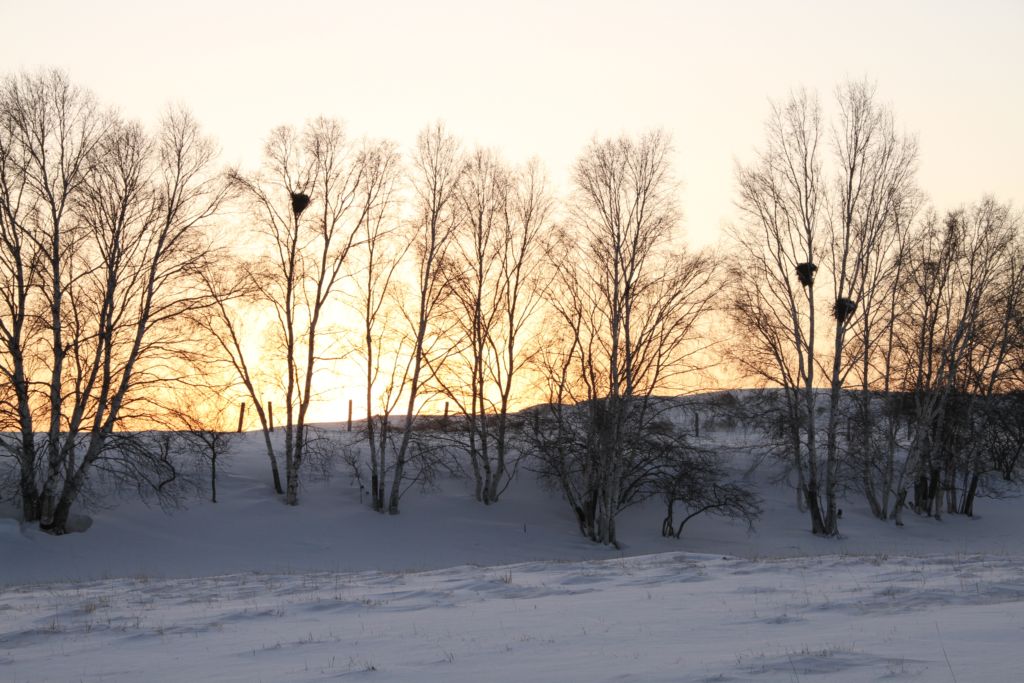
x,y
332,530
249,589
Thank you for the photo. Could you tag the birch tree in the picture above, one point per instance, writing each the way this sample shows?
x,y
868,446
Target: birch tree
x,y
876,353
20,285
874,185
50,131
956,338
782,198
627,298
304,205
498,254
103,227
807,221
377,283
144,211
436,170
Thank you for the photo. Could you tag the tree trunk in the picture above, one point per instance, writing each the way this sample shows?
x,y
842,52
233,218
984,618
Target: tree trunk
x,y
30,508
668,524
814,507
213,479
897,508
934,500
969,495
274,469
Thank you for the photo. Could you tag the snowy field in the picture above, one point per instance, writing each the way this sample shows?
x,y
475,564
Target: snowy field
x,y
251,590
667,617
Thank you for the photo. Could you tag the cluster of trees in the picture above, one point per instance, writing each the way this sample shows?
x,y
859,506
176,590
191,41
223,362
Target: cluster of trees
x,y
451,274
894,332
466,289
439,264
102,236
121,307
623,328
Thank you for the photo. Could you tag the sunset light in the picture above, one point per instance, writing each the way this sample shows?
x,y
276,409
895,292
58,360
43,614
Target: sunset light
x,y
320,319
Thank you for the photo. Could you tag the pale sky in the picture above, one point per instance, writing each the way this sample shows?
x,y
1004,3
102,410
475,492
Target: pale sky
x,y
536,78
541,78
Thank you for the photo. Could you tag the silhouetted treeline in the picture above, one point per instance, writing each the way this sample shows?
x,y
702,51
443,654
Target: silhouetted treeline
x,y
144,285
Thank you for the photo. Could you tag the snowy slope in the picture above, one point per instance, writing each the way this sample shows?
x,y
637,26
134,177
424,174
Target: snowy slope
x,y
249,589
331,530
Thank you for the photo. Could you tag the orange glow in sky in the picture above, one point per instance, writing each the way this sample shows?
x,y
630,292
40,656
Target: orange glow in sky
x,y
539,78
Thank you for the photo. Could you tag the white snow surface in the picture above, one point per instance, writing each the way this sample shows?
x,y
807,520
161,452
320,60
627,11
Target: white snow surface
x,y
249,589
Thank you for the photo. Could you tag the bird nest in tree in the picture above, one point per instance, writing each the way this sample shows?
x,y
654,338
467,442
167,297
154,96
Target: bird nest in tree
x,y
805,272
300,200
843,309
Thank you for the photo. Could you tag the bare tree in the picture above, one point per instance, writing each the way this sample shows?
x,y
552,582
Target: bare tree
x,y
20,283
521,283
697,480
437,167
102,226
797,211
875,351
202,425
989,368
233,295
628,300
498,255
874,188
383,251
956,339
763,348
783,200
141,238
50,130
304,203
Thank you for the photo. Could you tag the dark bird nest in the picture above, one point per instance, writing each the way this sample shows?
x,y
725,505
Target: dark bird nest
x,y
300,200
805,272
844,309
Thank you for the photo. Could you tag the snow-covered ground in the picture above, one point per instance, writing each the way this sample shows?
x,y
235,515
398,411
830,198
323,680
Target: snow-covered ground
x,y
249,589
667,617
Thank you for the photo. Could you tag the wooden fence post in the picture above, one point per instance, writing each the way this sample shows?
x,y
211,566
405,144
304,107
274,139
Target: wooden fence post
x,y
241,415
350,415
